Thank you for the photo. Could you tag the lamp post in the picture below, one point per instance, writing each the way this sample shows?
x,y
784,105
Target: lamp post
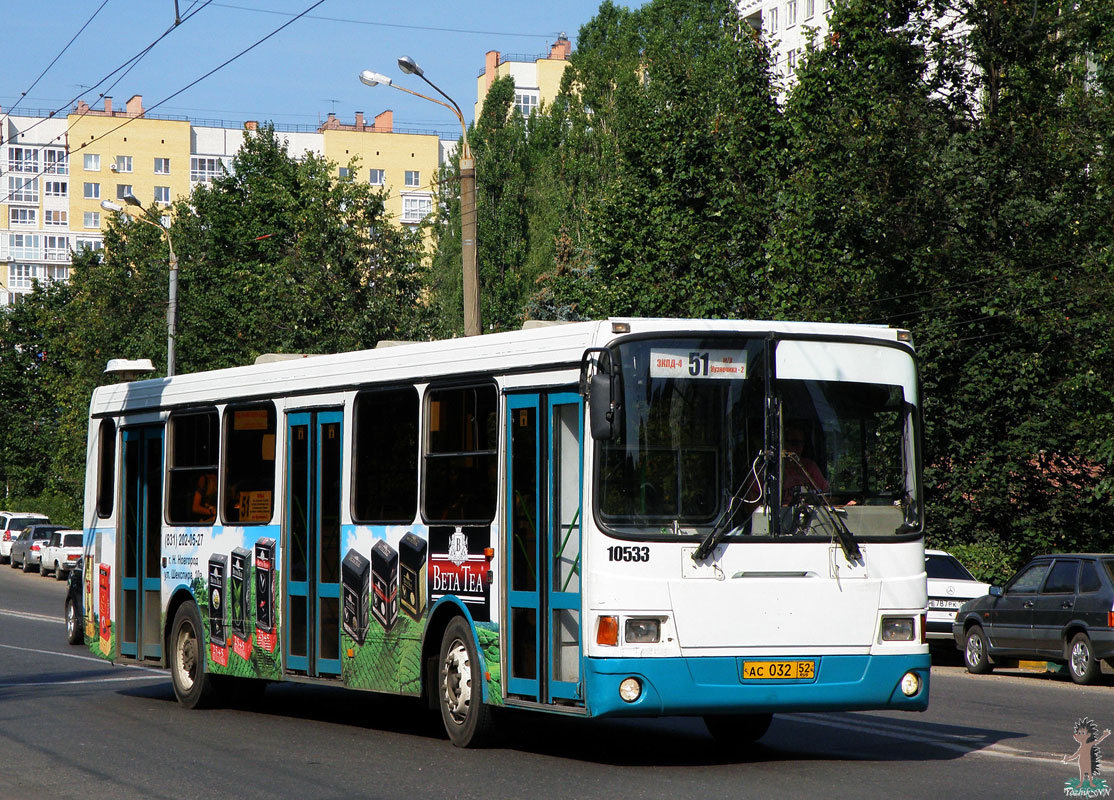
x,y
467,190
172,292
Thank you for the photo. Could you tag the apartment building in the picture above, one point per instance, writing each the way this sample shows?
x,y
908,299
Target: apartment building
x,y
787,26
55,172
537,79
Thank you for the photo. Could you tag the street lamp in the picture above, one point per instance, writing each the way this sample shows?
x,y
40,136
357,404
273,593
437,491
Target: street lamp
x,y
467,190
172,304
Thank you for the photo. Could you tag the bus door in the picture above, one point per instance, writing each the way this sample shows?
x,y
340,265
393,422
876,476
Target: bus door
x,y
138,622
544,520
311,599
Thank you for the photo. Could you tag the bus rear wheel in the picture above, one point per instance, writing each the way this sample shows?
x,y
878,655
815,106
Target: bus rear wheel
x,y
466,717
731,730
192,685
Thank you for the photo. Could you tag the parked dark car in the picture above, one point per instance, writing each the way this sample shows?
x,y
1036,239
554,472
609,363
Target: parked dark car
x,y
27,547
1057,608
75,605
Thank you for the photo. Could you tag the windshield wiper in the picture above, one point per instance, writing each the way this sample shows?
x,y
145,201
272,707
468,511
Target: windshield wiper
x,y
846,538
721,529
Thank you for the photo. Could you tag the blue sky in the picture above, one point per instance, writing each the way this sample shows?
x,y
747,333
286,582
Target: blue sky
x,y
294,78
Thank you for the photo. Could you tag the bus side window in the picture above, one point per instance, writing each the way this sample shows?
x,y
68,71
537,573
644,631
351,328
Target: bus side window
x,y
249,463
385,456
106,468
192,496
460,459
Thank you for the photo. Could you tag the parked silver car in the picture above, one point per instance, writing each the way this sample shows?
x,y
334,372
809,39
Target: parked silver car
x,y
60,554
27,548
11,524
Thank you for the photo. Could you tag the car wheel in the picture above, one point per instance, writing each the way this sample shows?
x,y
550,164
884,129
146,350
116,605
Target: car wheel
x,y
732,730
59,573
43,571
11,562
466,716
1082,664
192,686
26,565
976,652
74,633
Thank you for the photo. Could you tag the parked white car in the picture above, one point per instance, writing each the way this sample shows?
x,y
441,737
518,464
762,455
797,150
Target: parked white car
x,y
61,553
950,585
12,524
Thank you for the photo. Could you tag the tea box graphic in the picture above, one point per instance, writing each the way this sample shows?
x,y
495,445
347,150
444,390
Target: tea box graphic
x,y
218,568
264,585
356,577
384,577
238,591
412,575
105,590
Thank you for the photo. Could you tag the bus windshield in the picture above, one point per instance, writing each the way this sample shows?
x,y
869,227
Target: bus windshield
x,y
704,441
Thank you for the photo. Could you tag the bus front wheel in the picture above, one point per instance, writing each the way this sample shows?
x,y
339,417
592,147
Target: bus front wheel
x,y
466,717
731,730
192,686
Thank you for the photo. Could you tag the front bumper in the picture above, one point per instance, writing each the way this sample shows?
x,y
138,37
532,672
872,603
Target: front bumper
x,y
714,685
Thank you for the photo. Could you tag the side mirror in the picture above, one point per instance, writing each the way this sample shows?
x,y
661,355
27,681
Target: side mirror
x,y
602,412
996,591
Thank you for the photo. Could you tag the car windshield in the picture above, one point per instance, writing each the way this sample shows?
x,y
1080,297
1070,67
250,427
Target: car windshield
x,y
692,449
946,568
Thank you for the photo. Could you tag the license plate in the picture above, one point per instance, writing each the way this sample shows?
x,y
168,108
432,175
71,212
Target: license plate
x,y
947,605
779,670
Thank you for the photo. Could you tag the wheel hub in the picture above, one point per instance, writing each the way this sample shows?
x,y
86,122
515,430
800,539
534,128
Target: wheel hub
x,y
457,681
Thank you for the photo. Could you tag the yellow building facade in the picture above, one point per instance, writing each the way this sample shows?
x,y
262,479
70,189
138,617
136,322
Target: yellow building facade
x,y
537,79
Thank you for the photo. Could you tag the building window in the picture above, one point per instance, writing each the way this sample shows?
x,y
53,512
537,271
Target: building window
x,y
162,195
413,178
416,208
92,191
123,163
23,159
90,244
56,161
20,277
55,188
525,102
203,170
162,166
773,20
377,177
810,8
23,190
791,13
22,216
165,220
791,62
123,190
59,218
56,248
92,219
342,172
25,246
92,162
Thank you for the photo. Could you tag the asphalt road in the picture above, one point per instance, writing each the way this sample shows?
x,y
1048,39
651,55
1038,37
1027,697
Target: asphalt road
x,y
73,726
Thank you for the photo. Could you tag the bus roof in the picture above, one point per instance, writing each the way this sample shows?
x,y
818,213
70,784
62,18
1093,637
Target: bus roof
x,y
536,348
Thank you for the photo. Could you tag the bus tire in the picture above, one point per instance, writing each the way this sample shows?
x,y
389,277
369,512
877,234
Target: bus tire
x,y
976,651
192,685
730,730
467,718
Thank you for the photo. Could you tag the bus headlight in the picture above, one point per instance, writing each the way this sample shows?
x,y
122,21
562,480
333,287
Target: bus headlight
x,y
630,689
642,631
898,629
910,684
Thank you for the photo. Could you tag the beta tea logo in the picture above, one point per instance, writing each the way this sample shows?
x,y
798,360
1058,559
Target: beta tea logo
x,y
1089,758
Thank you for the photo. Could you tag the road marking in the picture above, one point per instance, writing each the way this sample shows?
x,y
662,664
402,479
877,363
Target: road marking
x,y
951,742
29,615
150,673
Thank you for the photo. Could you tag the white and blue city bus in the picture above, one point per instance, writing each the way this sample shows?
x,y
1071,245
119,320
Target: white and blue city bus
x,y
629,517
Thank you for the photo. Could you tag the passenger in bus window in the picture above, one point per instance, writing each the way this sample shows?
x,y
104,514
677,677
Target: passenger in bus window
x,y
205,497
800,470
